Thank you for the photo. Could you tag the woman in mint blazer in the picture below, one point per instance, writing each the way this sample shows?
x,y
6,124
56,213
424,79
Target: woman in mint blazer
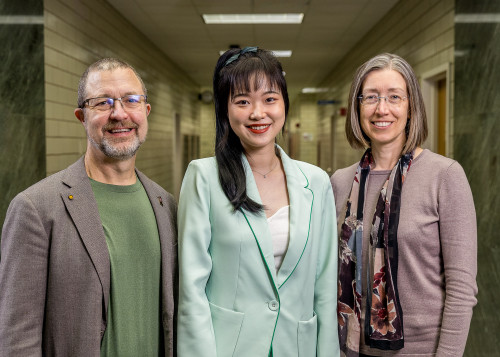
x,y
257,230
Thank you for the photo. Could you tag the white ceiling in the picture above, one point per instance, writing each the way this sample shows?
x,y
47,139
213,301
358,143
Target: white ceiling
x,y
329,30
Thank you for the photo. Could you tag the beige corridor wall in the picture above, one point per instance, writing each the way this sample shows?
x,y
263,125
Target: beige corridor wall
x,y
77,33
422,32
207,130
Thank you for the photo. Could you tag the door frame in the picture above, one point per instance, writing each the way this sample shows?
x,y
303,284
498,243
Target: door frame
x,y
429,83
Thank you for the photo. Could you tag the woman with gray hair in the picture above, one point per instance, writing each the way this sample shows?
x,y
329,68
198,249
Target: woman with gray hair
x,y
407,226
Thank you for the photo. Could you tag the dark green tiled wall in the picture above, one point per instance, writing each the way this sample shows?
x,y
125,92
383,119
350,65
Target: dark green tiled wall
x,y
22,108
477,148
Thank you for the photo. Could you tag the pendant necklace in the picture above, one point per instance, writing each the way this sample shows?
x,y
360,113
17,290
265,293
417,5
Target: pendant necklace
x,y
267,173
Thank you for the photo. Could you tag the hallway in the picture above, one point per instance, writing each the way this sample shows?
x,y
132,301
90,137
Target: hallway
x,y
451,44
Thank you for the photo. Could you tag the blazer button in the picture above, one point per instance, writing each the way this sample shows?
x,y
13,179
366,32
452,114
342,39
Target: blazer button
x,y
273,305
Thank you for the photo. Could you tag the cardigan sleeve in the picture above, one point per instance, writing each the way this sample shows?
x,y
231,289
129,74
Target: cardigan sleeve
x,y
458,236
195,334
325,291
23,279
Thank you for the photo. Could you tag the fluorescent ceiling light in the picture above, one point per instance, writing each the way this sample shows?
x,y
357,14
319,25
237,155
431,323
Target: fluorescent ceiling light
x,y
21,20
277,53
314,90
285,53
477,18
461,53
253,18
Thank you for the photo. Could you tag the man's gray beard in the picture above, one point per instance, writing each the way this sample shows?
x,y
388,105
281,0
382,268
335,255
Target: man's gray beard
x,y
122,153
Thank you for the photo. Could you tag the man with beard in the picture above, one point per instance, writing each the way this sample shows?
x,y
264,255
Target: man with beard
x,y
88,255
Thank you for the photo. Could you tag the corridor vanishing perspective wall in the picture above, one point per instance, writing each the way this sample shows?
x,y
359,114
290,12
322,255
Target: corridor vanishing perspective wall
x,y
78,33
422,32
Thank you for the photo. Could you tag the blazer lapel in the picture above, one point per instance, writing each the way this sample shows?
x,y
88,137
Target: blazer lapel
x,y
165,213
258,223
82,207
301,201
159,202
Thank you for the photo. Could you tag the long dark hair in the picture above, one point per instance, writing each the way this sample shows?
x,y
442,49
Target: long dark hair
x,y
233,73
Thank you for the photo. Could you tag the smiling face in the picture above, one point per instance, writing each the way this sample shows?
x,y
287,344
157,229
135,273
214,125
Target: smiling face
x,y
116,133
257,117
385,123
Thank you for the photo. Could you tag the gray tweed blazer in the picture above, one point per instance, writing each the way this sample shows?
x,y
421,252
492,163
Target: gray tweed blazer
x,y
55,269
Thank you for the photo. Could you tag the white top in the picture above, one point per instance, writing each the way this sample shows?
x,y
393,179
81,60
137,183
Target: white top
x,y
280,233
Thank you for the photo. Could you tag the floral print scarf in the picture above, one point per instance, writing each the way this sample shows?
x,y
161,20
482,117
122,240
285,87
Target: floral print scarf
x,y
384,319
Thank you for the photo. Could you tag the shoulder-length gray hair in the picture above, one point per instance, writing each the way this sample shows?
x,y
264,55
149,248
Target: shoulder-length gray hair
x,y
417,127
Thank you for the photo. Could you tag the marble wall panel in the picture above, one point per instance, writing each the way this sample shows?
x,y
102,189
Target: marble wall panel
x,y
22,108
477,148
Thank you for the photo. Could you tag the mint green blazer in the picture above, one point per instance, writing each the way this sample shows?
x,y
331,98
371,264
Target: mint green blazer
x,y
232,302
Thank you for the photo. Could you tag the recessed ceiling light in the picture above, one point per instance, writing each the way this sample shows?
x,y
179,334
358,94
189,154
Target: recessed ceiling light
x,y
314,90
21,20
277,53
285,53
477,18
253,18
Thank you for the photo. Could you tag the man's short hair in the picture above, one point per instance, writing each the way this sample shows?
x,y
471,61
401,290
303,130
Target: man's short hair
x,y
104,64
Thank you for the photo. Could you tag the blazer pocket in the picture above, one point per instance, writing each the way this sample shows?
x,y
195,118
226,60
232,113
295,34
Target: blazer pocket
x,y
307,337
227,326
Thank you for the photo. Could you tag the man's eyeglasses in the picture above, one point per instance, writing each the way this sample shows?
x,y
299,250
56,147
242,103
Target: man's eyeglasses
x,y
372,99
103,104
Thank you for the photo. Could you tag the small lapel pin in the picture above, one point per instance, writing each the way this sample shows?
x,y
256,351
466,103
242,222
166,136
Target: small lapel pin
x,y
160,200
70,197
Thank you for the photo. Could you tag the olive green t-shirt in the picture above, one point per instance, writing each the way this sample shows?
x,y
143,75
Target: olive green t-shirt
x,y
129,223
